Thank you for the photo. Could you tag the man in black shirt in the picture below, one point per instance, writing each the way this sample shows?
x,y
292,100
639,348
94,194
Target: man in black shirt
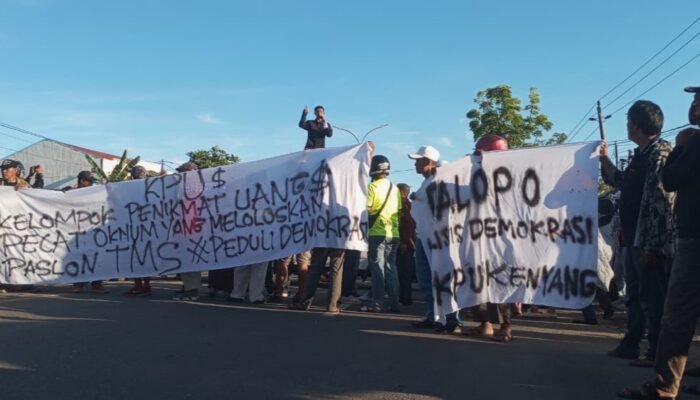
x,y
317,129
682,307
645,211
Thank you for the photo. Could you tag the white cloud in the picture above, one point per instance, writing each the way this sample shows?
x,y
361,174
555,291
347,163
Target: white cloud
x,y
447,142
208,118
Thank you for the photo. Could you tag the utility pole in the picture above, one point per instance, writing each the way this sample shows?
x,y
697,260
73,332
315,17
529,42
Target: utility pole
x,y
617,161
600,120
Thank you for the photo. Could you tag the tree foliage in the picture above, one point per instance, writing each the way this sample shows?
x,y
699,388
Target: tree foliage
x,y
498,112
213,157
119,173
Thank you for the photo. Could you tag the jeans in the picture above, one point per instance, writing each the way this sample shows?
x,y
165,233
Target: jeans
x,y
425,282
382,262
406,264
646,289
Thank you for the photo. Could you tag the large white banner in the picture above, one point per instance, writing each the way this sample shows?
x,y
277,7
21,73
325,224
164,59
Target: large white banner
x,y
200,220
512,226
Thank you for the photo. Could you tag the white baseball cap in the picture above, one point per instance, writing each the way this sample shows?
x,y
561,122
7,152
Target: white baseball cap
x,y
428,152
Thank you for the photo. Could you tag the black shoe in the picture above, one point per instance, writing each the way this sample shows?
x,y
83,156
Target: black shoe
x,y
424,324
234,299
450,327
618,353
607,314
258,302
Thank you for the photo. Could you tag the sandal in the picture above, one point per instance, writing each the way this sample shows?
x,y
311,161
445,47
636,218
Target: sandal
x,y
645,392
503,335
134,291
478,331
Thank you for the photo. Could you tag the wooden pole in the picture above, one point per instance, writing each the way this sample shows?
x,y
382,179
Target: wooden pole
x,y
600,122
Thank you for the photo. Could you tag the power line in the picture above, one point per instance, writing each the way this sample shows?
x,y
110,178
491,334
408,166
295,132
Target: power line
x,y
623,143
581,122
16,137
650,59
658,83
652,71
14,128
577,128
590,134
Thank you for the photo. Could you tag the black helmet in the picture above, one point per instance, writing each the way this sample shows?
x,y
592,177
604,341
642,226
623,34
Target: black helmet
x,y
7,163
380,165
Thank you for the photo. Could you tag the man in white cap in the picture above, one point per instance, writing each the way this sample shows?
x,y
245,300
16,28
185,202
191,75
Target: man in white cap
x,y
427,159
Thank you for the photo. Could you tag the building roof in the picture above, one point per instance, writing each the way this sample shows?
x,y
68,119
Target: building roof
x,y
93,153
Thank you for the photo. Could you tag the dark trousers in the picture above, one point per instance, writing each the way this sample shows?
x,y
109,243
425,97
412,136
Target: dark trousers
x,y
350,267
646,290
680,317
406,264
603,299
319,256
493,313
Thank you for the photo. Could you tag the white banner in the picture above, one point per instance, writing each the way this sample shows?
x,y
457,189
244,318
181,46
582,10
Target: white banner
x,y
512,226
200,220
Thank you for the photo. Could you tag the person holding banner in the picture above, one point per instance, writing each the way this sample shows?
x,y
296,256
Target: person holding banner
x,y
488,314
12,174
86,179
318,129
142,286
191,281
682,307
426,161
645,209
383,205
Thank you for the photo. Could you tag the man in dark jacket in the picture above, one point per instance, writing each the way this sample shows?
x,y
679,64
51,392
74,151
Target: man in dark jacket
x,y
682,307
645,209
317,129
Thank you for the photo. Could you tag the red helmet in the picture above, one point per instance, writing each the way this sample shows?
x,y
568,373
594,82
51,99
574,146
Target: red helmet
x,y
491,143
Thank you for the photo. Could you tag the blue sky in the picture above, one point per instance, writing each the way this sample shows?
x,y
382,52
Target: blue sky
x,y
163,78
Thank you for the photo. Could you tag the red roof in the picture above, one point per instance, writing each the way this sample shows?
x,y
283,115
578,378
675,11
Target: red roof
x,y
93,153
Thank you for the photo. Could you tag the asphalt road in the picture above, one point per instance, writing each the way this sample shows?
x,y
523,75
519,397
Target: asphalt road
x,y
60,345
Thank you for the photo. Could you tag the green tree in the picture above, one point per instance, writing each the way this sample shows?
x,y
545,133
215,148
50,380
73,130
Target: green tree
x,y
119,173
498,112
213,157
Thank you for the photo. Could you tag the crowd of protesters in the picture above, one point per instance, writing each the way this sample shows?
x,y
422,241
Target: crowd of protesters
x,y
649,249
